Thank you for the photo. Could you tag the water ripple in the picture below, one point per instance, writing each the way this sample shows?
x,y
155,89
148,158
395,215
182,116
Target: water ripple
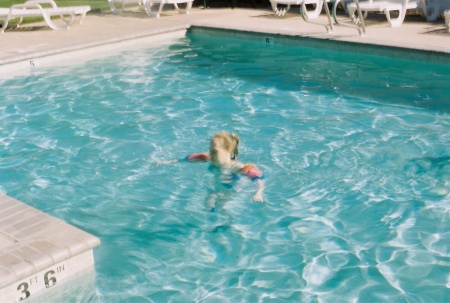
x,y
355,154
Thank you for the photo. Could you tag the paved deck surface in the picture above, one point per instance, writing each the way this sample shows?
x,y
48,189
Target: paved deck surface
x,y
31,241
34,40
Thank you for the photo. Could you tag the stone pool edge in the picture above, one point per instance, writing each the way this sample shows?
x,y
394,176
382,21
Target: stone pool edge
x,y
78,54
38,251
28,63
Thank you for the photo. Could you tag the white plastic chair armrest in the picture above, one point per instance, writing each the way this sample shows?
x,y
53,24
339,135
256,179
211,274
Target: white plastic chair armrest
x,y
40,2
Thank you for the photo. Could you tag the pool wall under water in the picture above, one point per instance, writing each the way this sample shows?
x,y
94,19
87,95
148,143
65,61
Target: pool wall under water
x,y
360,47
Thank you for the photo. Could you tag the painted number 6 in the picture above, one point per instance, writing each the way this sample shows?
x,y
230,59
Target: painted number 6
x,y
48,279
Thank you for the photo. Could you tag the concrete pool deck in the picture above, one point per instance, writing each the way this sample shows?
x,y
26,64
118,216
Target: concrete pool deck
x,y
38,251
36,40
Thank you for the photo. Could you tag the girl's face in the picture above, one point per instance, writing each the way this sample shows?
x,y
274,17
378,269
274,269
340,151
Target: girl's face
x,y
219,155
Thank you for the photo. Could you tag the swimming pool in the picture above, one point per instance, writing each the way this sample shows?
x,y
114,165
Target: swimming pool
x,y
355,148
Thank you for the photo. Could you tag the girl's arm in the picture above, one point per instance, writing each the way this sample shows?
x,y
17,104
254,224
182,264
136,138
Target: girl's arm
x,y
251,171
201,157
258,196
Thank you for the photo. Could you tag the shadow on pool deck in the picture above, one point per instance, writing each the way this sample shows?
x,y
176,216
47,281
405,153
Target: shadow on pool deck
x,y
34,40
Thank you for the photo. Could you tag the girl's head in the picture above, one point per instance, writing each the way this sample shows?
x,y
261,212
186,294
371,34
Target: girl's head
x,y
223,148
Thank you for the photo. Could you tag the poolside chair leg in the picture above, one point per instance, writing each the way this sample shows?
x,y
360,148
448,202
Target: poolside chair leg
x,y
356,17
429,9
112,6
4,25
160,10
280,12
357,22
68,22
315,13
148,9
395,22
20,22
447,19
188,7
308,16
52,25
82,18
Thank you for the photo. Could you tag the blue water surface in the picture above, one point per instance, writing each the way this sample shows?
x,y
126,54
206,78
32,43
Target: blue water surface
x,y
355,149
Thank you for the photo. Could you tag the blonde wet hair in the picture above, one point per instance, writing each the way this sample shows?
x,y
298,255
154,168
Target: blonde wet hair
x,y
230,142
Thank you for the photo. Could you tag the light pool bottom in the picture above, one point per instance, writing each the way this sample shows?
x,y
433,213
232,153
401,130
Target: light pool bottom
x,y
355,149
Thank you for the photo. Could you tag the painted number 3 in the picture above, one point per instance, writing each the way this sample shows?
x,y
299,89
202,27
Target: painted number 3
x,y
49,281
23,288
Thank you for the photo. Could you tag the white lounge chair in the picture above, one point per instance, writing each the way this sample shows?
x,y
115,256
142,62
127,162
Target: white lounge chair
x,y
386,6
430,9
122,3
447,19
341,3
282,11
38,8
149,3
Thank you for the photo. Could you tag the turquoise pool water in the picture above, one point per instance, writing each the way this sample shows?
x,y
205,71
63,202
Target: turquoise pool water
x,y
355,149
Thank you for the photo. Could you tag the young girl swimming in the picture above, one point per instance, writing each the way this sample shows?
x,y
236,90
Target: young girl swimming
x,y
223,154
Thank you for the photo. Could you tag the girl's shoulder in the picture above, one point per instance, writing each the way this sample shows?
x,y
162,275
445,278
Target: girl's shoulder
x,y
237,166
